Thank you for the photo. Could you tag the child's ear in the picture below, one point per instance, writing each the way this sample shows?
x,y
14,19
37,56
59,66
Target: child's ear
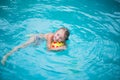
x,y
66,38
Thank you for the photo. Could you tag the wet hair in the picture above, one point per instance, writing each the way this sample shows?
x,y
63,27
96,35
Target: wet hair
x,y
67,33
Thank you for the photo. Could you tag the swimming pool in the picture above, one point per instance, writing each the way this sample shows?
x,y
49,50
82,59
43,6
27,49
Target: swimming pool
x,y
93,47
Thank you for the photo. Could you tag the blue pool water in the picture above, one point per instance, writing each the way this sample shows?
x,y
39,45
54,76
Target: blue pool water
x,y
93,51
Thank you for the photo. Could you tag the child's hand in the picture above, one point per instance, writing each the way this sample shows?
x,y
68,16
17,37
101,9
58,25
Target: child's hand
x,y
64,47
3,60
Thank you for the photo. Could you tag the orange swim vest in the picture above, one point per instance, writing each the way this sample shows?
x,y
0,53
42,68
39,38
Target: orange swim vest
x,y
57,44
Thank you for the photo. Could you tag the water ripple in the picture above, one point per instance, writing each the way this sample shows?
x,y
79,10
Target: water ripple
x,y
93,46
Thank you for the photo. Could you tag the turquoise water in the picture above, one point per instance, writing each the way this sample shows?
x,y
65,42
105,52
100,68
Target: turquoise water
x,y
93,51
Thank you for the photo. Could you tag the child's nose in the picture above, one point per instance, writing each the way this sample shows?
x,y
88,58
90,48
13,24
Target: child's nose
x,y
57,37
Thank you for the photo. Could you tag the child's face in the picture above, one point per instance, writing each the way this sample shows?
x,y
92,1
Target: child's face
x,y
59,36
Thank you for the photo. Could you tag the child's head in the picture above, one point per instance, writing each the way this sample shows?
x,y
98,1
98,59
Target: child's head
x,y
61,35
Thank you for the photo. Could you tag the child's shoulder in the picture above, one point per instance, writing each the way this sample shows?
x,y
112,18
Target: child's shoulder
x,y
49,35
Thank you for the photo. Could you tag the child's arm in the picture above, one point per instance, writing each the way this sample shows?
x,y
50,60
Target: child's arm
x,y
31,40
49,38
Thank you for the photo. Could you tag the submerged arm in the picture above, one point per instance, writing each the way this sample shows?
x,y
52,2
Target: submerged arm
x,y
31,40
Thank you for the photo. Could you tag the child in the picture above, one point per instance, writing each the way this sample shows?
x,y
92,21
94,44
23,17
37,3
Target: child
x,y
55,41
